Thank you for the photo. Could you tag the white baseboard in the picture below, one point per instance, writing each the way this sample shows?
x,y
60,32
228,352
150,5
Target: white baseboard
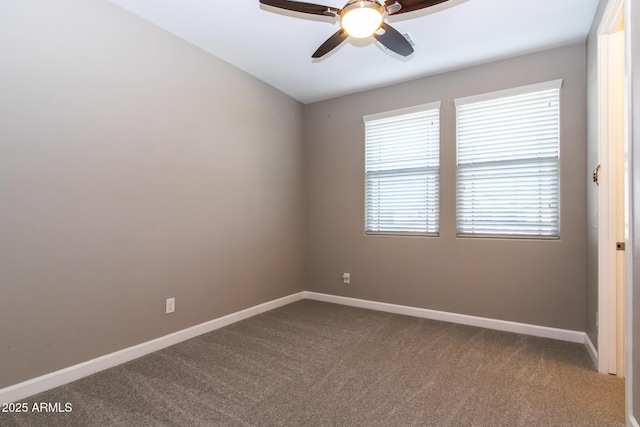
x,y
64,376
592,350
482,322
633,422
72,373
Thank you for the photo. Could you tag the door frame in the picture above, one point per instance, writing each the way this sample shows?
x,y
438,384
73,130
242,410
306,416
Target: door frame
x,y
607,132
616,11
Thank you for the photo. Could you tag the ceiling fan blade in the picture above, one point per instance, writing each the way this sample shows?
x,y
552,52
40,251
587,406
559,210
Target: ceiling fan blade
x,y
410,5
297,6
331,43
393,40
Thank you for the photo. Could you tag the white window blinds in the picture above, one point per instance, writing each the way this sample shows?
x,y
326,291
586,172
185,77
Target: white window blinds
x,y
402,158
508,149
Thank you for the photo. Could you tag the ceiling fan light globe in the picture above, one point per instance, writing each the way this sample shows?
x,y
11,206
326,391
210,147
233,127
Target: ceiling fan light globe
x,y
362,19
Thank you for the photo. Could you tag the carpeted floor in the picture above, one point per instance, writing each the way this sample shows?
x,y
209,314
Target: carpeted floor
x,y
317,364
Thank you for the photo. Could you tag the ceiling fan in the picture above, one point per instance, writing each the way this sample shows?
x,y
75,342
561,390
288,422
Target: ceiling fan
x,y
360,19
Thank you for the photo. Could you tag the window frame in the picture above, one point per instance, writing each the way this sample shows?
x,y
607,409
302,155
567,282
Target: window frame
x,y
497,95
431,106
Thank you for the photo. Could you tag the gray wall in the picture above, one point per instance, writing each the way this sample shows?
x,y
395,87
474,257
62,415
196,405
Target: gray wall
x,y
536,282
133,167
592,163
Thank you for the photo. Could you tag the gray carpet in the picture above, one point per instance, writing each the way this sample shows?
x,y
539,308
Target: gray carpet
x,y
318,364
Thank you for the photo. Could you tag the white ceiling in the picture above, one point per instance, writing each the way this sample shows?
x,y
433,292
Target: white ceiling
x,y
276,46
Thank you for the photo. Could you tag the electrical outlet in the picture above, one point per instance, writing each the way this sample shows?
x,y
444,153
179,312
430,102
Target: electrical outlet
x,y
170,305
346,277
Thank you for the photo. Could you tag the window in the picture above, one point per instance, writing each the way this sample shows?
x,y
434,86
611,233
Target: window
x,y
508,150
402,160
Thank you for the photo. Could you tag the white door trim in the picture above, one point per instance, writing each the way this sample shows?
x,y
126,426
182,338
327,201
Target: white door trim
x,y
616,12
606,199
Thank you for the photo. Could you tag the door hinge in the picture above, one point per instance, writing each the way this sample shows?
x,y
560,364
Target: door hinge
x,y
620,246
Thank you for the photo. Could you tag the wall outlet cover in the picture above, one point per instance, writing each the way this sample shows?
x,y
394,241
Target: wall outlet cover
x,y
170,305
